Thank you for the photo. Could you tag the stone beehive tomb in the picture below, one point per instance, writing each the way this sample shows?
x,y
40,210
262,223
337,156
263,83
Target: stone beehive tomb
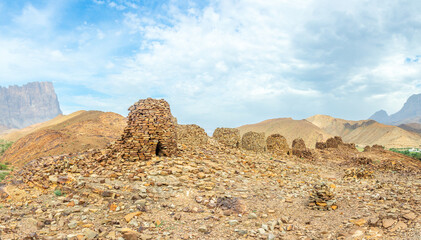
x,y
227,136
191,134
374,148
299,149
277,144
254,141
150,131
335,142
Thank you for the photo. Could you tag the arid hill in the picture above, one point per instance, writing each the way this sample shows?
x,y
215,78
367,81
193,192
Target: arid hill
x,y
366,132
76,132
411,127
290,129
15,134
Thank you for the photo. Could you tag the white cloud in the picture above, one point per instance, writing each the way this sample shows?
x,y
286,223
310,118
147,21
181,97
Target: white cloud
x,y
99,2
228,55
232,62
32,17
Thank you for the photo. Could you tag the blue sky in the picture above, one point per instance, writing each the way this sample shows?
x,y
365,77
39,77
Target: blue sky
x,y
218,63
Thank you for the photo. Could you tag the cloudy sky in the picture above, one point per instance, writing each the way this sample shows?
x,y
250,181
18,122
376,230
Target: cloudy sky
x,y
218,63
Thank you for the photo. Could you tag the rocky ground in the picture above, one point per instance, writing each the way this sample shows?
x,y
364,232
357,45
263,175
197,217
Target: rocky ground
x,y
215,192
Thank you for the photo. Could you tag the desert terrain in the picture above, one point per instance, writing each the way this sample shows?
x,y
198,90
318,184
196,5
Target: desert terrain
x,y
212,188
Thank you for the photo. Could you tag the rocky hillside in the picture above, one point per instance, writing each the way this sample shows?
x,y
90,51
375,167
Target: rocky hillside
x,y
81,131
290,129
15,134
411,127
410,113
29,104
366,132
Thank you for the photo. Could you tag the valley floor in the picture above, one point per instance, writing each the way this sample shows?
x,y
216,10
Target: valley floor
x,y
213,192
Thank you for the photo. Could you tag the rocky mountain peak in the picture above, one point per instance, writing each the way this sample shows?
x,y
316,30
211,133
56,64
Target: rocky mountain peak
x,y
21,106
410,112
380,116
411,109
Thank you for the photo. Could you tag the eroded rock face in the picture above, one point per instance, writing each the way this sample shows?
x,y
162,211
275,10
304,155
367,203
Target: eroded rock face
x,y
32,103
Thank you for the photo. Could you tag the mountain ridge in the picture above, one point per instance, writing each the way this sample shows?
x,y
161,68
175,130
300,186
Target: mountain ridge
x,y
320,127
409,113
366,132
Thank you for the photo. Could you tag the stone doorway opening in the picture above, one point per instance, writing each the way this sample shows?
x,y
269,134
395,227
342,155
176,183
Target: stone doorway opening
x,y
159,150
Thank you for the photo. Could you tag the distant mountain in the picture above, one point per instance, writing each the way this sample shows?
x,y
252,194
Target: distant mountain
x,y
380,116
29,104
410,113
411,127
366,132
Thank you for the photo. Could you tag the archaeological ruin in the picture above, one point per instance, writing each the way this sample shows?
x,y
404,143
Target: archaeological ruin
x,y
254,141
228,136
150,131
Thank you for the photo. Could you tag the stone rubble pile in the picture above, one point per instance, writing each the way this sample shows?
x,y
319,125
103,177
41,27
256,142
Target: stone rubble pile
x,y
323,198
335,142
357,173
362,160
321,145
